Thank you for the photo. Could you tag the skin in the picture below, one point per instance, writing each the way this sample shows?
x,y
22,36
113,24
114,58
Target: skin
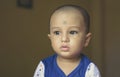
x,y
68,38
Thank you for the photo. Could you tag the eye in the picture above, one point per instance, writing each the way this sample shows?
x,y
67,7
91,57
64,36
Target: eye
x,y
73,32
56,32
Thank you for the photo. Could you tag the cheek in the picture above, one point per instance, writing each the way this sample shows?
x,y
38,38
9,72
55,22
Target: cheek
x,y
77,43
55,42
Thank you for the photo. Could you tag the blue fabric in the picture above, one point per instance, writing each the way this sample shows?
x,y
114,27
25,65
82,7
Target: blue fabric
x,y
52,69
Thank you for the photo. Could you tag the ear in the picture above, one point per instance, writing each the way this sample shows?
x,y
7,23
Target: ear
x,y
49,36
87,40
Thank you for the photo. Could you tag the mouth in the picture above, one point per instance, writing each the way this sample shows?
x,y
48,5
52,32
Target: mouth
x,y
64,48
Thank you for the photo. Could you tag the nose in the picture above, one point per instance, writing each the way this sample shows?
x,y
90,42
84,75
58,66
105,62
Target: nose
x,y
65,38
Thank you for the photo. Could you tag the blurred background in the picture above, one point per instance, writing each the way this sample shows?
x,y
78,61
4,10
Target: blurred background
x,y
24,41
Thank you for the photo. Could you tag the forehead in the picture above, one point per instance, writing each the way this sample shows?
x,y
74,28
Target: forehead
x,y
71,17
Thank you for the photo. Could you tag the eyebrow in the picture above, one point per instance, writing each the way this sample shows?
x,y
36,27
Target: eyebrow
x,y
54,27
78,27
72,27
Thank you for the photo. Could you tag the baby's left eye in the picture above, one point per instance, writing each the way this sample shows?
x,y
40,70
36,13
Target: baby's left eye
x,y
73,32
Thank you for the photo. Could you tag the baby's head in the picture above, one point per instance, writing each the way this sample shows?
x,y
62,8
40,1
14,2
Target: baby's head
x,y
69,30
78,10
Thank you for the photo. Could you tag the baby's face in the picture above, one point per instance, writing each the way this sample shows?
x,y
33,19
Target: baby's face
x,y
68,33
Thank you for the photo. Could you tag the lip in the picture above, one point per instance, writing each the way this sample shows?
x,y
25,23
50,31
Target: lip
x,y
64,48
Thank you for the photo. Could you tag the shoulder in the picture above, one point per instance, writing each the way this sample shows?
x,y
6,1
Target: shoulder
x,y
85,59
92,71
39,72
48,60
43,64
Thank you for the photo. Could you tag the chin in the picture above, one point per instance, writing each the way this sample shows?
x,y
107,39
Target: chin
x,y
65,56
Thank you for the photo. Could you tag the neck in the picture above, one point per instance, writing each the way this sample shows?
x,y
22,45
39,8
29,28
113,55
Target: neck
x,y
68,65
68,60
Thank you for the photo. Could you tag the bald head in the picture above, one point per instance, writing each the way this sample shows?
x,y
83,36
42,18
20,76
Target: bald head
x,y
73,10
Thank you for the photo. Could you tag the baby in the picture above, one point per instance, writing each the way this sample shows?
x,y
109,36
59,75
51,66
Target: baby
x,y
69,35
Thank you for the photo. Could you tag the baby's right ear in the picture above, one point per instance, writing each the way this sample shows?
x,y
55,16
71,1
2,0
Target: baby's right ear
x,y
49,36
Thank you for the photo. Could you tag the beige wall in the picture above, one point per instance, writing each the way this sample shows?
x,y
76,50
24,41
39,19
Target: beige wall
x,y
23,35
112,38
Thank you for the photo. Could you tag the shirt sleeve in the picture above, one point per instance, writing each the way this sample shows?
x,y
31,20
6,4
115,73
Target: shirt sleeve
x,y
39,72
92,71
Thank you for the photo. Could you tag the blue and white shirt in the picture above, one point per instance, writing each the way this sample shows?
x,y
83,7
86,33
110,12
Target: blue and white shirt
x,y
49,68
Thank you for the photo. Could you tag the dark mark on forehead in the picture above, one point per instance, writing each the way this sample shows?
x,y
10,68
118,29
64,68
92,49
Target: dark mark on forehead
x,y
64,22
